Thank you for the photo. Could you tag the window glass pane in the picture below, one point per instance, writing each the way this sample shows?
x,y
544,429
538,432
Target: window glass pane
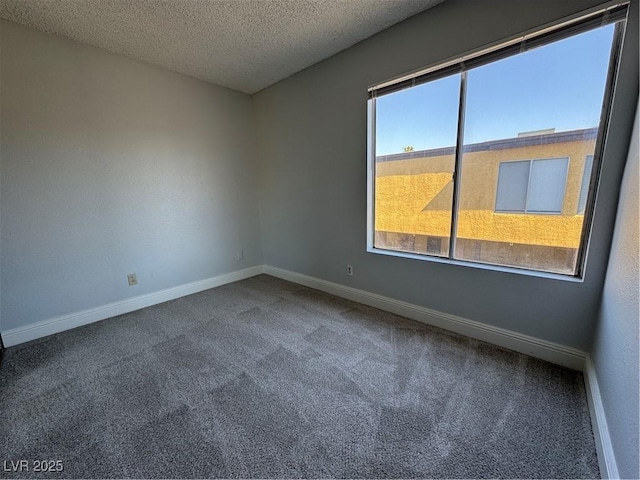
x,y
547,185
586,180
415,138
541,104
513,181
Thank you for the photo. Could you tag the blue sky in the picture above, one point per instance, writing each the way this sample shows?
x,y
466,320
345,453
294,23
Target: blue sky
x,y
556,86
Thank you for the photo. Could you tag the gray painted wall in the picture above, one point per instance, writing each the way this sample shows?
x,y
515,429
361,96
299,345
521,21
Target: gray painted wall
x,y
615,348
112,166
312,146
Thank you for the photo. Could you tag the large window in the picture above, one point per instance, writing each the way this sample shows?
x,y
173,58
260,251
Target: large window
x,y
489,158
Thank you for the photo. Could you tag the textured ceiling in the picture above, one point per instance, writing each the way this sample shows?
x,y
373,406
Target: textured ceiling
x,y
245,45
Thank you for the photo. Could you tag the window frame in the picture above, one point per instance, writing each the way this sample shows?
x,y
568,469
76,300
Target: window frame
x,y
616,14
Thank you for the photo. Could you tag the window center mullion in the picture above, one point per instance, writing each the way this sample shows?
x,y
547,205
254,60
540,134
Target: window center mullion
x,y
457,169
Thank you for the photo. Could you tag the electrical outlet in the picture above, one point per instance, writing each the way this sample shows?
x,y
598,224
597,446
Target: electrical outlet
x,y
132,278
240,256
349,270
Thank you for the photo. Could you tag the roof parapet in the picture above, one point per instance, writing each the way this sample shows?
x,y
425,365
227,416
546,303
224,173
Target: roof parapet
x,y
526,140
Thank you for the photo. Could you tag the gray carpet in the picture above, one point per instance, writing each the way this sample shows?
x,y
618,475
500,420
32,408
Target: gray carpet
x,y
265,378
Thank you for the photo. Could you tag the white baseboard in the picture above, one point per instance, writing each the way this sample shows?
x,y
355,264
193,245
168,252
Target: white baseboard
x,y
549,351
59,324
604,448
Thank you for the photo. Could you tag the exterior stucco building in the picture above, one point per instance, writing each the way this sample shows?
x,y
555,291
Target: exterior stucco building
x,y
521,202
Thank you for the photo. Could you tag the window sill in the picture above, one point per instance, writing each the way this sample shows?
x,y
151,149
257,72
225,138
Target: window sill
x,y
477,265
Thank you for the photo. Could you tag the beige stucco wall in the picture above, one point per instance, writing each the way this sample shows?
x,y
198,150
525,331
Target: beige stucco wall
x,y
406,192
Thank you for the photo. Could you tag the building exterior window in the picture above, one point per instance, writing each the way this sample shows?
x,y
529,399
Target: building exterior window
x,y
586,181
532,186
488,158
